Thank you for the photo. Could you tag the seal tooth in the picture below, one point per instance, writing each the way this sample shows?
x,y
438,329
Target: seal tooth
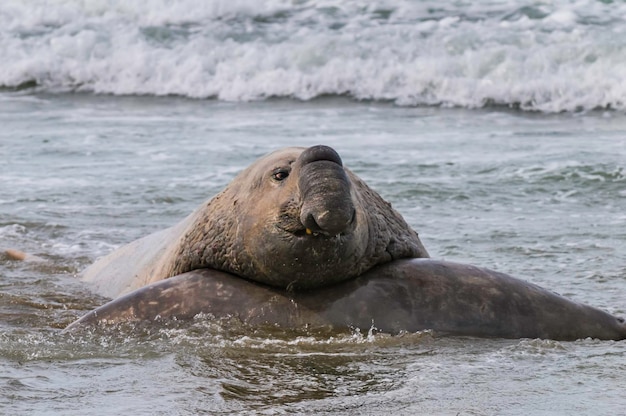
x,y
308,231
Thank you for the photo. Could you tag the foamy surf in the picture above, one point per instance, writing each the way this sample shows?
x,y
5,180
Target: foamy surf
x,y
549,57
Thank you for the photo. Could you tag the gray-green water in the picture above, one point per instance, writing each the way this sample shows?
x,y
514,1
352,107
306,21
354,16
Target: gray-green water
x,y
542,197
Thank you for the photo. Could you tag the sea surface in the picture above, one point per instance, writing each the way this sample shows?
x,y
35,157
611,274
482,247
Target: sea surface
x,y
497,128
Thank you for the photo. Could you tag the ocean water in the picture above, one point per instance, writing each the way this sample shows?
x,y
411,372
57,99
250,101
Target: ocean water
x,y
497,128
552,56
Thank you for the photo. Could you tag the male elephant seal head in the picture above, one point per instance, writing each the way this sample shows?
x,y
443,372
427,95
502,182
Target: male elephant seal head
x,y
296,219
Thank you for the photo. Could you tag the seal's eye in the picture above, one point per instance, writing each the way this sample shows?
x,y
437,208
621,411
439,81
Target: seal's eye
x,y
280,174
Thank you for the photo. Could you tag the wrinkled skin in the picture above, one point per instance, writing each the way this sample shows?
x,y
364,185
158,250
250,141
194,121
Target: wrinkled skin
x,y
296,219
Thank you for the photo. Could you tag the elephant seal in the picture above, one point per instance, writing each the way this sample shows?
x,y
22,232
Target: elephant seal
x,y
297,239
295,219
404,295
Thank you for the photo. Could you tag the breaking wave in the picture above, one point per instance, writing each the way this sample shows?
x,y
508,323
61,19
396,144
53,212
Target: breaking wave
x,y
539,56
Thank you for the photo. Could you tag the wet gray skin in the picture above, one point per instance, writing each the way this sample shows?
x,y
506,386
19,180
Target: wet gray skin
x,y
406,295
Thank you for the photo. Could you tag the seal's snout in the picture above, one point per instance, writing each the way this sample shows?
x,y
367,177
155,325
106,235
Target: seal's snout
x,y
325,191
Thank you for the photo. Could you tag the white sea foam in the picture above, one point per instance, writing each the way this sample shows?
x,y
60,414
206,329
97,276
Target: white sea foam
x,y
553,56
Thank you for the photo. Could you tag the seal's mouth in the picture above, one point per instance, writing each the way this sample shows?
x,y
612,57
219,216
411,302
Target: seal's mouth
x,y
307,232
304,232
294,227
